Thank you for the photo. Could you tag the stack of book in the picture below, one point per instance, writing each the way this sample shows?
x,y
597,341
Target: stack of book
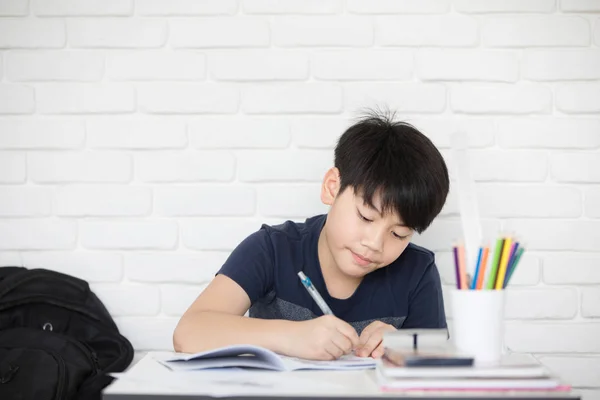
x,y
433,365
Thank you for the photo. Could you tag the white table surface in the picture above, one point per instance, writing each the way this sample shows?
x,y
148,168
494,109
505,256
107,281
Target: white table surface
x,y
148,379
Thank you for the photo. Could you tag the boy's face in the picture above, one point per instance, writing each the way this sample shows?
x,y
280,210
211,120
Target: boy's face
x,y
361,239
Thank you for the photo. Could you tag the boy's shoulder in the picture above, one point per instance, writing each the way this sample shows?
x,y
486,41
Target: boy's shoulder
x,y
294,230
423,254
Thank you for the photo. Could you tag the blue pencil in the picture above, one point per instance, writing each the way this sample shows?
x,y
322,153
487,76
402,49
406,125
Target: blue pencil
x,y
474,283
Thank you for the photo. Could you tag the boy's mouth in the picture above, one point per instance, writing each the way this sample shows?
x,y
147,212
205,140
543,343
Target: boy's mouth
x,y
360,260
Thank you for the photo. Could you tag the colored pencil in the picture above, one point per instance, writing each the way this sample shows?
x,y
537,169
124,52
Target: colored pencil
x,y
456,266
477,266
462,267
515,263
511,260
482,268
503,263
495,263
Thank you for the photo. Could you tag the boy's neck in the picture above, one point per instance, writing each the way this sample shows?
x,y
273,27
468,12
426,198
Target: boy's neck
x,y
339,285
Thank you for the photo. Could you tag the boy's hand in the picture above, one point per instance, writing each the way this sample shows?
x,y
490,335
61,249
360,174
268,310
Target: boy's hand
x,y
323,338
371,340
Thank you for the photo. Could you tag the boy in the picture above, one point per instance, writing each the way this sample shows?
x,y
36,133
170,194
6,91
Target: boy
x,y
388,181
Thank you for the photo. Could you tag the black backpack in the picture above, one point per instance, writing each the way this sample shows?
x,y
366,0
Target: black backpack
x,y
57,340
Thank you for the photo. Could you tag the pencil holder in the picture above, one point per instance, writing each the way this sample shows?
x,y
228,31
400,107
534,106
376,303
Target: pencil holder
x,y
477,324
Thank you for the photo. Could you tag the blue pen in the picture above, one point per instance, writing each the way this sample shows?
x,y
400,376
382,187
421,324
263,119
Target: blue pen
x,y
314,294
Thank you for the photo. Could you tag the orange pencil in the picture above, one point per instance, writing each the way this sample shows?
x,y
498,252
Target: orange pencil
x,y
479,285
462,266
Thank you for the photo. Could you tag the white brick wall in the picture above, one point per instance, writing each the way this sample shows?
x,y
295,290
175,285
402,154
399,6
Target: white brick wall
x,y
140,141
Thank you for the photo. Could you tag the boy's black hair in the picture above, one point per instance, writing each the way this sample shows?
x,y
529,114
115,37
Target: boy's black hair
x,y
378,155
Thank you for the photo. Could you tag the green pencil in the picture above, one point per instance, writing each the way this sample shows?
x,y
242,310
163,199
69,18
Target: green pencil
x,y
514,265
495,262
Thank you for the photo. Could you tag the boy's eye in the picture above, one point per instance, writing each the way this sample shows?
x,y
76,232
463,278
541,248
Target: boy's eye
x,y
363,217
398,236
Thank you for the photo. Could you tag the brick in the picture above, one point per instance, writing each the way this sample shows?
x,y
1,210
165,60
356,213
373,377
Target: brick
x,y
556,235
16,99
590,302
278,166
186,7
503,6
575,371
533,31
239,133
507,166
479,132
48,65
578,98
442,232
176,299
41,134
116,32
571,268
360,65
575,167
90,201
318,132
148,333
345,31
259,65
204,201
579,5
85,98
398,7
319,98
192,267
79,8
185,167
11,258
550,304
147,133
289,201
25,202
90,266
597,32
292,7
129,300
501,99
13,167
528,272
467,65
59,167
219,32
532,337
37,234
32,33
183,98
222,234
532,132
529,201
139,234
147,65
431,30
401,97
561,65
592,202
14,8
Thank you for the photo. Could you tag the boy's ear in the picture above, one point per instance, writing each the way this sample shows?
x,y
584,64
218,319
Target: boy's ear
x,y
330,186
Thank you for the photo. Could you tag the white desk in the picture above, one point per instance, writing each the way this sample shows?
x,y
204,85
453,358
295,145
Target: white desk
x,y
149,379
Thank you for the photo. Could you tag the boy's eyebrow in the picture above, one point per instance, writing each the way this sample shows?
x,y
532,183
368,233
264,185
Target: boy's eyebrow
x,y
381,214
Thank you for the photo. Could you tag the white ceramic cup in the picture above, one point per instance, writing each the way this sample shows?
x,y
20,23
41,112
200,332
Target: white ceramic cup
x,y
477,323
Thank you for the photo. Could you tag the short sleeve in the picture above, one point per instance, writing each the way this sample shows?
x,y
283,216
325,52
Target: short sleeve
x,y
426,305
250,265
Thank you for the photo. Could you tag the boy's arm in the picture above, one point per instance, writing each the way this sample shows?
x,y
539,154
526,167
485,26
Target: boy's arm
x,y
426,308
216,319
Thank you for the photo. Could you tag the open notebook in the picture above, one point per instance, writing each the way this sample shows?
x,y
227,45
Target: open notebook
x,y
247,356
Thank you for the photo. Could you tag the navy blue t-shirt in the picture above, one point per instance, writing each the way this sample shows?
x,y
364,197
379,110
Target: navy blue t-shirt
x,y
406,294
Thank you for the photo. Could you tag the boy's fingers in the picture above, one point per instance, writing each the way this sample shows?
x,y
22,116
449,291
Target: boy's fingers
x,y
371,344
348,331
343,343
378,352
